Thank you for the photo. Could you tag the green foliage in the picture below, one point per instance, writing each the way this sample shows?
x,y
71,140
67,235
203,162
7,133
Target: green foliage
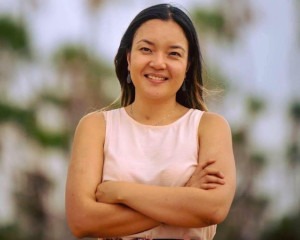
x,y
71,53
12,232
239,137
287,228
244,217
50,139
295,111
255,105
57,100
78,56
209,20
25,118
14,35
258,160
30,206
87,74
293,154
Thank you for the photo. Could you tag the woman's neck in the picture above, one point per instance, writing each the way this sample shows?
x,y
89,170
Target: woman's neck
x,y
155,113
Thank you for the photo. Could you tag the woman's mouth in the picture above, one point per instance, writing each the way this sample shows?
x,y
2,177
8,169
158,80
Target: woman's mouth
x,y
156,77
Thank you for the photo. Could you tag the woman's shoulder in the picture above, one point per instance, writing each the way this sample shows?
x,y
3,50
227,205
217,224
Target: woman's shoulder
x,y
212,116
91,121
95,116
213,122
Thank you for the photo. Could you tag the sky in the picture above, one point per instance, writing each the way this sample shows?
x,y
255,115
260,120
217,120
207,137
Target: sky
x,y
265,47
55,22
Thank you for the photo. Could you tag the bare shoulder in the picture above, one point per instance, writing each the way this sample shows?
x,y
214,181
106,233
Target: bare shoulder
x,y
93,119
86,157
92,124
215,141
96,118
213,122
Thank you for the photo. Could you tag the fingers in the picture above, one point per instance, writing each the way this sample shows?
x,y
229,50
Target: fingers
x,y
213,179
206,183
206,177
208,171
205,164
209,186
213,171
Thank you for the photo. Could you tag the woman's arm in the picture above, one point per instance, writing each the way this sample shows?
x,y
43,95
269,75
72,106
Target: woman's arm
x,y
185,206
206,176
86,216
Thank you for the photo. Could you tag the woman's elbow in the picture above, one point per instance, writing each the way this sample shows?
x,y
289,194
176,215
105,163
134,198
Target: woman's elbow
x,y
218,215
78,232
77,229
77,225
220,208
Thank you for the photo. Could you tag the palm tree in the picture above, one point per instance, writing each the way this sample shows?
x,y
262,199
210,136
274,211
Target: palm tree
x,y
14,44
84,74
293,153
246,217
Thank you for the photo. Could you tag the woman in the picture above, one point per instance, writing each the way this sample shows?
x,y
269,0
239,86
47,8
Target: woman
x,y
151,169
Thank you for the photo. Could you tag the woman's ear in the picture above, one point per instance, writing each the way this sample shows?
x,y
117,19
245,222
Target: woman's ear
x,y
128,60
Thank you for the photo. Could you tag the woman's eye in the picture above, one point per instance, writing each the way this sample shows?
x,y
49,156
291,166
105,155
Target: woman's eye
x,y
146,50
177,54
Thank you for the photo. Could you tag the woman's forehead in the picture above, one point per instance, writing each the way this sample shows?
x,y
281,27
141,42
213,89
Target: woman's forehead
x,y
157,30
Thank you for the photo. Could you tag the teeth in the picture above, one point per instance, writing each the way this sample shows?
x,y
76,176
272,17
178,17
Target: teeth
x,y
156,78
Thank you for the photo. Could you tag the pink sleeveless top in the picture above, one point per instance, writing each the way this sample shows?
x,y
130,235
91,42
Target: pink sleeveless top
x,y
156,155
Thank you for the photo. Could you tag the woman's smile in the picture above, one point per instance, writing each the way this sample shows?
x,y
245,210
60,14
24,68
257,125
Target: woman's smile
x,y
156,78
158,59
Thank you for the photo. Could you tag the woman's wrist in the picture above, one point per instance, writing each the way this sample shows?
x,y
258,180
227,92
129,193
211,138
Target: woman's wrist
x,y
120,194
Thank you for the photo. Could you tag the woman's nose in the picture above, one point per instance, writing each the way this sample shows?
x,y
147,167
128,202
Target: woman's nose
x,y
158,62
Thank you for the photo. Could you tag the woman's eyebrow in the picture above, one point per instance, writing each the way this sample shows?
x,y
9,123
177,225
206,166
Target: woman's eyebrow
x,y
145,41
172,46
177,47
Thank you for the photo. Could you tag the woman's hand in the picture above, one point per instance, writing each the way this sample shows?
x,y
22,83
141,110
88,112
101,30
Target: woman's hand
x,y
206,177
108,192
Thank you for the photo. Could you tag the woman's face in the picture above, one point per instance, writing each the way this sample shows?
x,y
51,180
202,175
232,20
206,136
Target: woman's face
x,y
158,59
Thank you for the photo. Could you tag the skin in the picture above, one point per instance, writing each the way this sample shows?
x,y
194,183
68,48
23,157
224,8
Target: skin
x,y
157,71
159,51
206,177
152,56
198,207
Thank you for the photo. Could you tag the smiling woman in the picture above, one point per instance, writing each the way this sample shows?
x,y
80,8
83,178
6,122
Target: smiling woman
x,y
161,166
158,61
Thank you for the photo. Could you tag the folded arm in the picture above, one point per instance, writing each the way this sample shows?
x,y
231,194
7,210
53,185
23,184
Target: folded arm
x,y
86,217
185,206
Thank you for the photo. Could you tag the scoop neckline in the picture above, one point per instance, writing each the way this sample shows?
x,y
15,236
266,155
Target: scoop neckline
x,y
154,126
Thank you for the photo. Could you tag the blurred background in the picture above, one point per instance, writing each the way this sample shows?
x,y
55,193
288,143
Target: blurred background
x,y
56,65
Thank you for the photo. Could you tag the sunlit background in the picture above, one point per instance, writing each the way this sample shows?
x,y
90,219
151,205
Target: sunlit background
x,y
56,64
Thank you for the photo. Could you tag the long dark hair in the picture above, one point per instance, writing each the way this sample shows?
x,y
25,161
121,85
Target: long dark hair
x,y
192,97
